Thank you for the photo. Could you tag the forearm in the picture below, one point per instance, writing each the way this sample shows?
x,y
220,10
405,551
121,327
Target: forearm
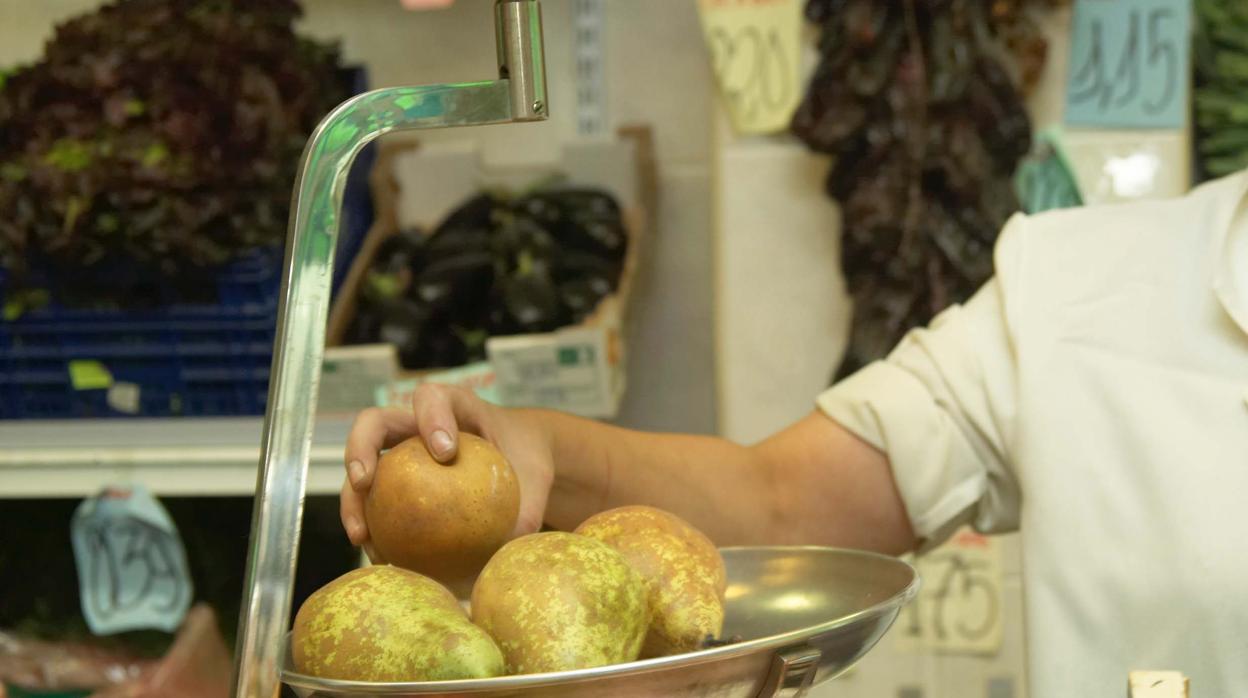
x,y
722,488
814,483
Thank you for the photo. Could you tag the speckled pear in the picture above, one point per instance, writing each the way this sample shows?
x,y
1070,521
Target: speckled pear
x,y
683,572
557,601
383,623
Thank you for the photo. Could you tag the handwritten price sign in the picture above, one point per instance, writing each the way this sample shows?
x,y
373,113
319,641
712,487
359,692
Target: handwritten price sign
x,y
755,53
132,571
1129,63
959,607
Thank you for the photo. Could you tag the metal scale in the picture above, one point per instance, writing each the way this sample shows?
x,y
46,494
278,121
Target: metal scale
x,y
805,614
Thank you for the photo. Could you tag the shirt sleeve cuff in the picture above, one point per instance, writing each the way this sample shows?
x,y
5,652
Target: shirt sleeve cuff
x,y
889,408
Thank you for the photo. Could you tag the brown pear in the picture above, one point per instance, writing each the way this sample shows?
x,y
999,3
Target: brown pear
x,y
683,571
442,520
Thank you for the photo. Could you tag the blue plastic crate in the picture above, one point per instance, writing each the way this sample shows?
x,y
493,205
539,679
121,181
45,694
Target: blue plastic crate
x,y
178,359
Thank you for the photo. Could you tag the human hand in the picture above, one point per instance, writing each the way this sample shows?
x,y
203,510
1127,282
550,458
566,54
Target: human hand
x,y
438,414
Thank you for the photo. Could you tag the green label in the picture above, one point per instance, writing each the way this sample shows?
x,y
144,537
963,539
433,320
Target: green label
x,y
89,375
576,355
1044,180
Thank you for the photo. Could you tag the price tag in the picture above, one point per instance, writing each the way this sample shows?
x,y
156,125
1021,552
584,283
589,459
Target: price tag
x,y
89,375
1129,63
1044,179
960,604
132,570
124,397
755,54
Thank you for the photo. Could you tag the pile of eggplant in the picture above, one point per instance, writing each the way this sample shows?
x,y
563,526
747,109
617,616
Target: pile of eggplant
x,y
498,265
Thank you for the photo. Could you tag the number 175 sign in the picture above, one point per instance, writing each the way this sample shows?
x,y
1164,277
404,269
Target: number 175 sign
x,y
1129,63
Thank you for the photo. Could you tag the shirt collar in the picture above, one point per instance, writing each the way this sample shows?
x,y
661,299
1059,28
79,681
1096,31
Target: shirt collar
x,y
1230,280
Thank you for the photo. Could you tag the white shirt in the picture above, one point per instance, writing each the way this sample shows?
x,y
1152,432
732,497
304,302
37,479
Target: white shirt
x,y
1094,396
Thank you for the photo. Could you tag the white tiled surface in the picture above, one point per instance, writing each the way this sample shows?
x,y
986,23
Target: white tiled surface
x,y
782,315
670,372
657,73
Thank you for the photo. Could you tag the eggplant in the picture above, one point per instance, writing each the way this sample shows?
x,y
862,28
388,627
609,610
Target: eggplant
x,y
404,323
605,237
579,265
403,250
474,214
456,285
517,235
539,207
452,242
581,296
532,299
582,219
441,348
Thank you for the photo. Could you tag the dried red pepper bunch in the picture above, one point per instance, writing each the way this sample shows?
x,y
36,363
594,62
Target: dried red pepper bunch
x,y
920,103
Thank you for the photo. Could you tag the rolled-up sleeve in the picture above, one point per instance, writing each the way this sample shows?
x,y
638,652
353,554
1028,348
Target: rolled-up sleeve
x,y
942,407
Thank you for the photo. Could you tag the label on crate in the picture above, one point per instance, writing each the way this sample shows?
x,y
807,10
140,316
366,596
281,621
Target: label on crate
x,y
124,397
87,374
478,377
568,370
132,569
350,376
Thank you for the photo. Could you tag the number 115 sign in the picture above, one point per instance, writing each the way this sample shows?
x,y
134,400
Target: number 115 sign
x,y
1129,63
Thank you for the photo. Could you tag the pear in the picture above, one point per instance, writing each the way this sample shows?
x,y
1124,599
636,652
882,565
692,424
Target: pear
x,y
557,601
683,572
444,521
383,623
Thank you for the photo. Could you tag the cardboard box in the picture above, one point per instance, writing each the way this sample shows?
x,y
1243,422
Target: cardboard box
x,y
416,186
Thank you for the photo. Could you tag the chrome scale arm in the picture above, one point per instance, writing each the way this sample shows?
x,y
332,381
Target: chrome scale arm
x,y
518,95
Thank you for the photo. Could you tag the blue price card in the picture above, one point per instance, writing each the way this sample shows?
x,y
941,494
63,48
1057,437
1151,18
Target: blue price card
x,y
1129,63
132,571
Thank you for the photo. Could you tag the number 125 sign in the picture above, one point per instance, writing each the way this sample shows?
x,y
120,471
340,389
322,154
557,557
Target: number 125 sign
x,y
1129,63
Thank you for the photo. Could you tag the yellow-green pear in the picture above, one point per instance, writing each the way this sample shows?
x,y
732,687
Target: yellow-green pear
x,y
384,623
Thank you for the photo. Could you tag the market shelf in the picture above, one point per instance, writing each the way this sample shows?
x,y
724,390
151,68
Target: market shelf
x,y
184,456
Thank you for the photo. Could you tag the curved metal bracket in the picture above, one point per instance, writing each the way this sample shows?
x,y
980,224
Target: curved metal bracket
x,y
792,673
518,95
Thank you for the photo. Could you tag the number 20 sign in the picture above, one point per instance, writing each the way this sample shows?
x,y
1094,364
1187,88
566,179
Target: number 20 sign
x,y
754,51
1129,63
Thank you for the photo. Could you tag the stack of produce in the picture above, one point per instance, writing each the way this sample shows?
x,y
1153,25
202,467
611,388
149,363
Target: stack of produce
x,y
498,265
628,583
920,102
154,141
